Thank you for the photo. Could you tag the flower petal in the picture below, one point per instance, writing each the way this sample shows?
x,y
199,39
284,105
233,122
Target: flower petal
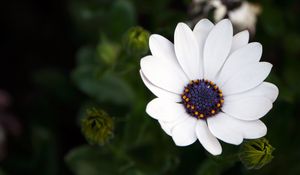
x,y
168,126
187,51
239,40
216,48
161,93
163,74
209,141
165,110
201,30
253,129
238,60
231,130
270,91
248,78
224,129
184,133
162,48
265,89
249,108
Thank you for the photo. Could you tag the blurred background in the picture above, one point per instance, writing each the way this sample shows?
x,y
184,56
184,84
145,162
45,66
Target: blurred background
x,y
72,101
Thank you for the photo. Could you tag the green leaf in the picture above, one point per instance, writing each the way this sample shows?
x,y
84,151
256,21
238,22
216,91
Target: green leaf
x,y
107,88
86,160
122,17
89,17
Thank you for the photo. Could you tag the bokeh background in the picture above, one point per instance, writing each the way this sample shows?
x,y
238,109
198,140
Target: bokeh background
x,y
62,59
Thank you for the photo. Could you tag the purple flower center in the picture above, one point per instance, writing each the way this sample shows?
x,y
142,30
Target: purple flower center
x,y
202,98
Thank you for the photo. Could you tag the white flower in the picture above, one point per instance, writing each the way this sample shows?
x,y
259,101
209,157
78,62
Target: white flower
x,y
243,17
210,85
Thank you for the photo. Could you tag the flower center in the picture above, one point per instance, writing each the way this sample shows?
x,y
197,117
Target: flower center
x,y
202,98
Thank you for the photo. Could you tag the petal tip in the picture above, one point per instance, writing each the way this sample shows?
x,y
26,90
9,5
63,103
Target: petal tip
x,y
217,153
225,21
206,21
245,32
180,25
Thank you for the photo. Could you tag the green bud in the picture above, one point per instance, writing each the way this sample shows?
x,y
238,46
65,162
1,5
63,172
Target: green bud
x,y
97,126
255,154
108,51
136,41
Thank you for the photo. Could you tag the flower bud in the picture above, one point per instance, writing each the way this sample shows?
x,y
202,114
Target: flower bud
x,y
136,41
108,51
97,126
255,154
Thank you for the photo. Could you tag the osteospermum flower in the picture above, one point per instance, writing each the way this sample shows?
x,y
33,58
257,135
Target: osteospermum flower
x,y
210,85
242,14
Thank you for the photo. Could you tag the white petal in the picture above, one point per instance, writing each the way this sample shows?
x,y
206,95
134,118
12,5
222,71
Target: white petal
x,y
231,130
187,51
163,74
249,108
238,60
201,30
209,141
270,91
161,93
216,48
239,40
253,129
168,126
223,128
248,78
165,110
265,89
162,48
184,133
